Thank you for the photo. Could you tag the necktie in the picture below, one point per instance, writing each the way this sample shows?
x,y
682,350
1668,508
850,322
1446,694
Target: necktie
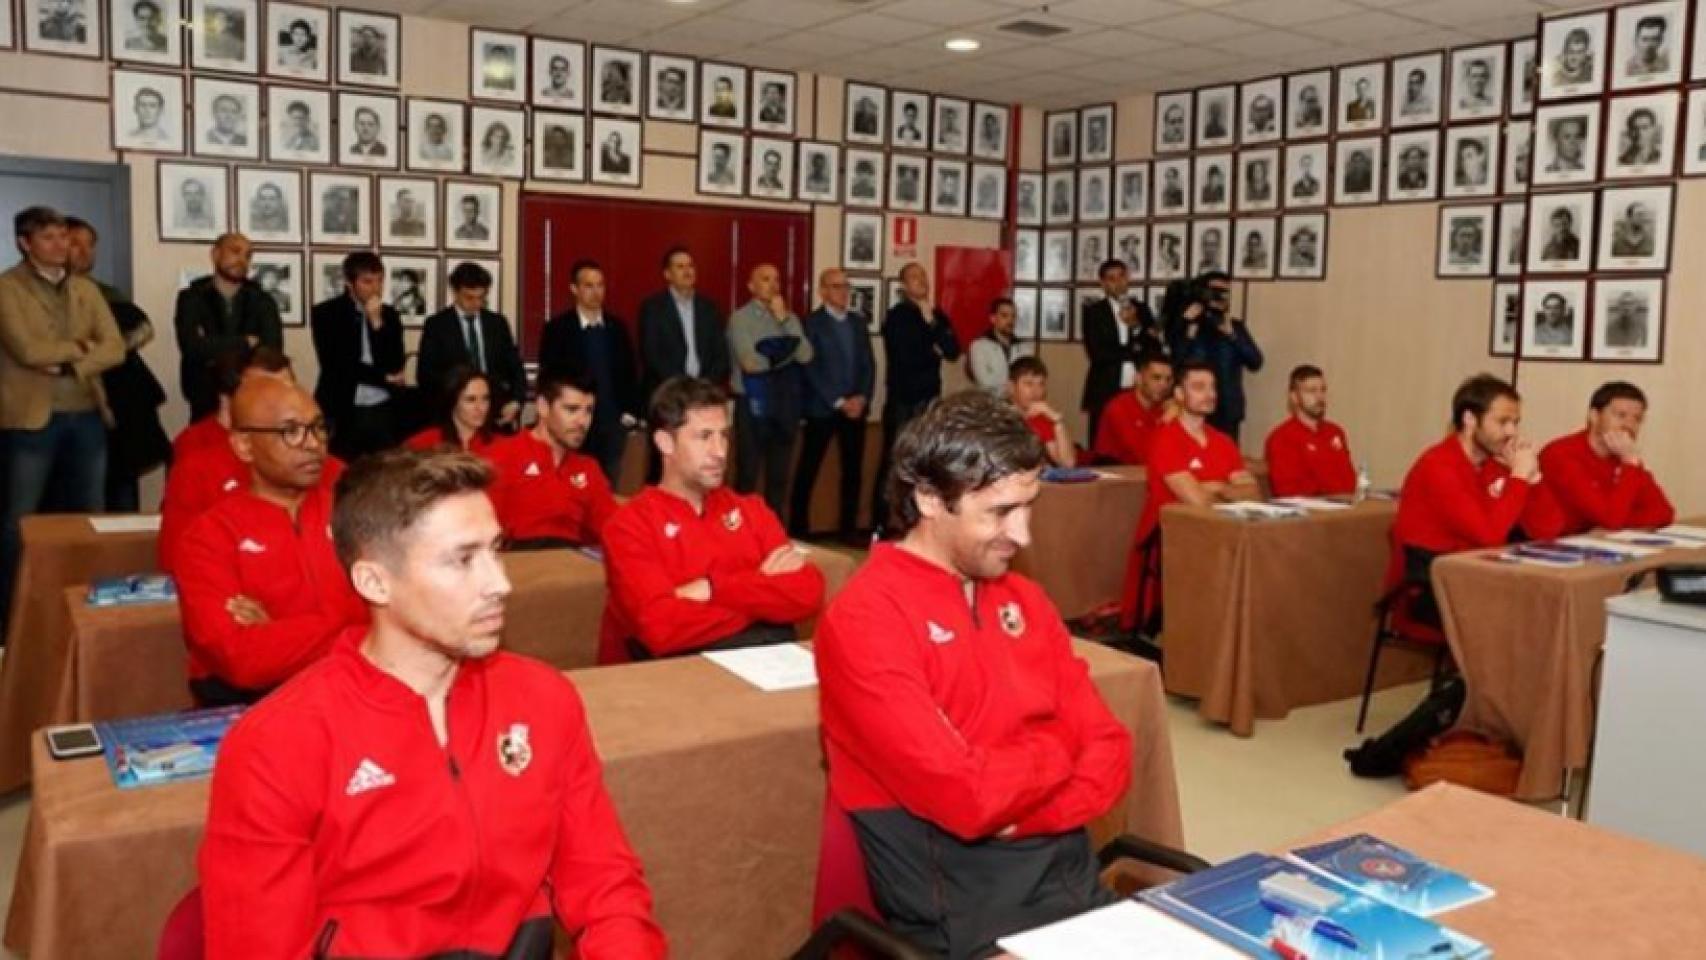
x,y
475,354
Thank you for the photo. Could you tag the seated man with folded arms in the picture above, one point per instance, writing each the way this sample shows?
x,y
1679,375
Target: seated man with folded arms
x,y
1027,383
1308,455
1131,417
261,591
964,738
1596,477
691,564
548,493
341,825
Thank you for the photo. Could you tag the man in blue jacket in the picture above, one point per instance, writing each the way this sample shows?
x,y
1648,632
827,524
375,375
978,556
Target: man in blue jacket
x,y
839,383
1199,328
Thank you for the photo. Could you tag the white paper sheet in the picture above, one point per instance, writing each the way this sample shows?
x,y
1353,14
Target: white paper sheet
x,y
146,523
1615,546
1650,538
1257,510
1312,504
1125,929
785,666
1683,531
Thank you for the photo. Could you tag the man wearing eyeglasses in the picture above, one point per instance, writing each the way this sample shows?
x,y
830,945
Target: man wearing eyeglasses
x,y
259,585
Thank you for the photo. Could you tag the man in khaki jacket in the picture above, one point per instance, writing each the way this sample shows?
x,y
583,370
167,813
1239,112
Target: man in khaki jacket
x,y
57,335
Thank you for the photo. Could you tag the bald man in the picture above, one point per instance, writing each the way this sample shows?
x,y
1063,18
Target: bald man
x,y
770,350
840,380
218,313
259,585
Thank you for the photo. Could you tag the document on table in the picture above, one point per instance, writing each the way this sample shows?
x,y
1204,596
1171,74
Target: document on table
x,y
783,666
1648,538
145,523
1312,504
1683,531
1125,929
1624,547
1257,510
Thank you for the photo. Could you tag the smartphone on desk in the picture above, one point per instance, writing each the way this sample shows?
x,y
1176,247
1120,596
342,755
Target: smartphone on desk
x,y
73,741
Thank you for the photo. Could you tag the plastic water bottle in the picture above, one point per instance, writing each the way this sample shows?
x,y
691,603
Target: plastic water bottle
x,y
1363,484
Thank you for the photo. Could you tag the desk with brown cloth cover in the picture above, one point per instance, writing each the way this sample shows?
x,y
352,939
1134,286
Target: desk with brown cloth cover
x,y
1081,536
720,788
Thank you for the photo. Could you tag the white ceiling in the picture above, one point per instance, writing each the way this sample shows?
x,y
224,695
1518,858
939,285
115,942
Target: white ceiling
x,y
1114,47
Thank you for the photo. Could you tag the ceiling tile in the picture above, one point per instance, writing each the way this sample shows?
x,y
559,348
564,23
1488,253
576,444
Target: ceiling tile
x,y
1456,13
944,12
1113,43
1273,43
792,13
1504,28
741,32
485,14
1286,13
646,15
820,44
1114,13
1199,27
874,27
1041,57
1418,41
1360,27
577,27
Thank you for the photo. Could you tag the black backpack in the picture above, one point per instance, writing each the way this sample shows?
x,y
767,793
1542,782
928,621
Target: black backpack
x,y
1383,756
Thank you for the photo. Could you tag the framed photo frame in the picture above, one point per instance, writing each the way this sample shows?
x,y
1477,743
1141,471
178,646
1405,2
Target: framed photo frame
x,y
1697,64
559,73
862,241
1058,248
1054,315
1472,161
1082,298
1361,98
1566,144
1561,232
1060,138
773,102
1303,246
1131,247
141,31
1096,133
1258,180
1094,194
988,191
1210,240
671,88
408,213
1413,173
299,41
865,107
301,120
1635,228
1217,120
1062,191
269,205
1307,175
436,135
722,95
907,182
1467,237
617,147
71,28
819,171
497,66
1131,190
617,74
369,48
147,111
864,297
989,132
1554,319
1505,322
722,162
1025,311
1028,199
227,117
948,187
559,146
1640,135
1572,55
1173,187
1213,177
340,209
497,142
1628,319
194,200
1478,82
1174,113
950,125
1254,255
1512,249
1523,77
1027,256
1357,171
1694,134
326,274
1308,104
1519,155
866,178
1169,245
279,275
412,289
225,35
1261,110
1647,45
367,131
909,120
772,174
473,216
1417,85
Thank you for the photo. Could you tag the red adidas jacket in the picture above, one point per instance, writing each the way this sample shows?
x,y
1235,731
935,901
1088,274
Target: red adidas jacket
x,y
973,716
1125,428
1309,463
1448,505
656,543
570,501
248,546
204,470
433,437
339,826
1594,491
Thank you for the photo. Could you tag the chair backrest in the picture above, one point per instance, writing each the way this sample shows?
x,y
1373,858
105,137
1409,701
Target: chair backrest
x,y
841,880
183,938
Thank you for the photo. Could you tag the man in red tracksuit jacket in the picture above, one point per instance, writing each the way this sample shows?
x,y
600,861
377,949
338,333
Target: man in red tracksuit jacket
x,y
967,743
1596,477
548,493
417,793
261,592
692,565
1131,417
1308,455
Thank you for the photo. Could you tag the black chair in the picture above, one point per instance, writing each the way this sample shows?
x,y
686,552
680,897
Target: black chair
x,y
1143,640
1398,619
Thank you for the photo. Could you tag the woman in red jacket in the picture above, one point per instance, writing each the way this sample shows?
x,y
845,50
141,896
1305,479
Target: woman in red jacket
x,y
467,421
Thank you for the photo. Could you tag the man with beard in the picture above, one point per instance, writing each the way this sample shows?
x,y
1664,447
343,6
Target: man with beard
x,y
549,493
223,312
1307,454
1597,475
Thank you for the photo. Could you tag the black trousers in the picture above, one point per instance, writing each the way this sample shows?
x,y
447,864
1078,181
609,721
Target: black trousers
x,y
895,418
364,430
766,452
605,442
815,436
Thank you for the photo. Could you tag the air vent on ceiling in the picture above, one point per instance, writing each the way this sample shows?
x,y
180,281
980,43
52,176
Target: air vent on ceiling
x,y
1033,28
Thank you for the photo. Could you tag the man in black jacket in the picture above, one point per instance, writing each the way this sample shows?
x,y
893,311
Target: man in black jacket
x,y
586,343
223,312
1117,330
917,339
666,350
358,339
466,333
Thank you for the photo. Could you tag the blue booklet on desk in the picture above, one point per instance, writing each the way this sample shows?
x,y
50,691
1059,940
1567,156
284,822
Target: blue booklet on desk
x,y
1390,873
145,751
139,588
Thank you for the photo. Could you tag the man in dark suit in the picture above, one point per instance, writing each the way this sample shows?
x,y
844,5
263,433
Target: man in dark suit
x,y
467,334
585,343
665,318
225,311
917,338
1117,330
840,381
358,339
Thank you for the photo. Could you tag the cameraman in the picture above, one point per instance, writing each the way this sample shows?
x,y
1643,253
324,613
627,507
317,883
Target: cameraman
x,y
1198,328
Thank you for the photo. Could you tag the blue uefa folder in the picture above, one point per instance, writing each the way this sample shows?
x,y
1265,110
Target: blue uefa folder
x,y
145,751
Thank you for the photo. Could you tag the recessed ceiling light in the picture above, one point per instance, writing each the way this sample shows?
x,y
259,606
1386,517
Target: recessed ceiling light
x,y
962,44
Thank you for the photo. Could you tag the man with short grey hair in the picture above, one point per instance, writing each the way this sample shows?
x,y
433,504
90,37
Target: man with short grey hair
x,y
769,349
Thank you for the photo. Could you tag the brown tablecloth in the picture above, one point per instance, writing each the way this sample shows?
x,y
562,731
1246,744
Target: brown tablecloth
x,y
58,550
719,786
1267,615
1081,536
1527,639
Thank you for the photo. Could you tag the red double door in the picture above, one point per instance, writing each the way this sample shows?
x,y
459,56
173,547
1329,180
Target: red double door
x,y
628,238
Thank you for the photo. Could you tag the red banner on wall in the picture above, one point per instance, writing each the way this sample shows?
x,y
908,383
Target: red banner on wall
x,y
967,279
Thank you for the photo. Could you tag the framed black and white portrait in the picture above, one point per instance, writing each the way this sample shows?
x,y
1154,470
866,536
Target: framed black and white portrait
x,y
412,289
227,118
988,191
670,88
1697,64
909,120
864,297
1091,248
340,209
408,213
1217,121
1214,183
1210,240
948,187
1477,82
497,139
68,27
1169,246
989,132
1260,111
1572,55
1057,256
819,172
772,173
1254,254
1635,228
1519,155
773,101
907,176
1512,247
1308,104
1303,246
435,135
301,121
194,200
497,66
1416,85
1025,310
1060,138
1306,176
1082,299
369,48
616,146
1173,121
866,170
1362,98
1172,187
1554,319
862,241
1694,134
1505,321
722,95
1357,170
269,205
148,111
1413,165
142,31
616,80
1646,47
225,35
1523,77
1466,241
1628,319
1062,194
1131,190
559,73
1560,232
1566,144
473,216
1096,133
722,163
279,275
299,41
1472,160
1131,247
866,108
1640,135
1258,180
559,146
1094,194
1027,256
1054,315
326,274
951,125
367,130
